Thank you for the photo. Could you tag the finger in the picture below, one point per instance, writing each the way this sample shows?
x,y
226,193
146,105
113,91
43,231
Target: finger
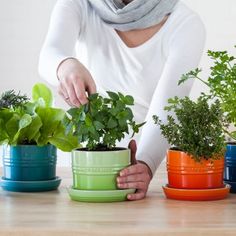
x,y
134,169
69,87
133,178
148,168
136,185
80,90
62,92
133,148
91,87
136,196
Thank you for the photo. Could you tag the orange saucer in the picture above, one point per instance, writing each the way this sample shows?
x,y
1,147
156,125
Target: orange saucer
x,y
196,194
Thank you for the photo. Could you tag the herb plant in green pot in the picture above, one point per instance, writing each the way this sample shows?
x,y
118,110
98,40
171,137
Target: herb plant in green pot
x,y
222,85
31,132
99,125
195,163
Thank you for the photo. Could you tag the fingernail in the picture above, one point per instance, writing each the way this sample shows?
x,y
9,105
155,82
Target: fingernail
x,y
129,197
118,180
121,174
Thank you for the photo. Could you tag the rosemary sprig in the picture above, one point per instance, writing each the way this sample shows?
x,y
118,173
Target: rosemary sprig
x,y
10,99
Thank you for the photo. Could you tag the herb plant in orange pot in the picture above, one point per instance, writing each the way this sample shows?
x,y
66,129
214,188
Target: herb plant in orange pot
x,y
195,162
221,84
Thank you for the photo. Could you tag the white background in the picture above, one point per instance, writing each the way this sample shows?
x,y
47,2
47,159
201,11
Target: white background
x,y
24,23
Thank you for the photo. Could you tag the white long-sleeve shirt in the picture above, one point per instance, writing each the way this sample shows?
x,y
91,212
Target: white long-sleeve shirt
x,y
149,72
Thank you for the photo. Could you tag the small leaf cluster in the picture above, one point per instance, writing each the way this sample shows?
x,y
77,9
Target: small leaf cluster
x,y
11,99
34,122
103,120
194,127
221,82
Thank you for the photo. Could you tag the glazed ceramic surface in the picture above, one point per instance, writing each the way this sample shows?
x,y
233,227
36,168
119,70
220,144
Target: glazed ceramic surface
x,y
230,163
97,170
184,172
197,194
30,186
99,195
29,162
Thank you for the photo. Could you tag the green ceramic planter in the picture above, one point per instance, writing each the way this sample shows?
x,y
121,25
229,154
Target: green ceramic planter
x,y
97,170
29,162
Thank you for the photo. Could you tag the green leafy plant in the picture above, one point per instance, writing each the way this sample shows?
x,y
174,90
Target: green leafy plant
x,y
34,122
103,121
196,128
221,82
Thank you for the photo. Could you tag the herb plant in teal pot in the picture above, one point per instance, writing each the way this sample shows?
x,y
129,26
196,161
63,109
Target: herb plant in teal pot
x,y
222,85
99,125
31,132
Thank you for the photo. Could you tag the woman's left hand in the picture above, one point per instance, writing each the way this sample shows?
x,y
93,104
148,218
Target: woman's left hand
x,y
137,176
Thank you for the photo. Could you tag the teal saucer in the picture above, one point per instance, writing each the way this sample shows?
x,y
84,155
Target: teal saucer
x,y
99,196
30,186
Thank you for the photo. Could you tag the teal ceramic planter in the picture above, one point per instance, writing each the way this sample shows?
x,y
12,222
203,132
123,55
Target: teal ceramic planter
x,y
230,166
98,170
230,163
29,162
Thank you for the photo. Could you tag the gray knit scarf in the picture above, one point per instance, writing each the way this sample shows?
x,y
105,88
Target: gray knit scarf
x,y
137,14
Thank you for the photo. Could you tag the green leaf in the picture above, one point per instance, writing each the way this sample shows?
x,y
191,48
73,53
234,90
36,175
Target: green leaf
x,y
12,127
129,100
64,142
3,133
113,95
50,122
88,121
15,125
112,123
32,131
98,125
93,96
42,91
25,121
233,135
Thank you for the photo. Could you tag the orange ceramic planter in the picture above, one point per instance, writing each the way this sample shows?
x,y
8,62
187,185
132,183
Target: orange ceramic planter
x,y
184,172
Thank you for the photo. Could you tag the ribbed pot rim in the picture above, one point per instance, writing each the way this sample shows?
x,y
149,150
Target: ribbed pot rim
x,y
119,149
196,169
15,160
100,169
115,166
231,143
233,160
91,173
229,165
182,153
31,145
182,166
33,165
230,161
195,172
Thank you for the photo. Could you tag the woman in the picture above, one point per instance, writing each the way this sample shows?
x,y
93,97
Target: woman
x,y
139,47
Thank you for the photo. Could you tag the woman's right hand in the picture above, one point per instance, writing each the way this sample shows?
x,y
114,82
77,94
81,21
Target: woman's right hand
x,y
75,82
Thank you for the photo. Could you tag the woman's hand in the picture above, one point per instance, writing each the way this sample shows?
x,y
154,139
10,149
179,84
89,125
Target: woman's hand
x,y
75,82
137,176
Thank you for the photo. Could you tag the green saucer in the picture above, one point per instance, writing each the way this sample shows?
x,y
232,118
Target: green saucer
x,y
30,186
99,196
